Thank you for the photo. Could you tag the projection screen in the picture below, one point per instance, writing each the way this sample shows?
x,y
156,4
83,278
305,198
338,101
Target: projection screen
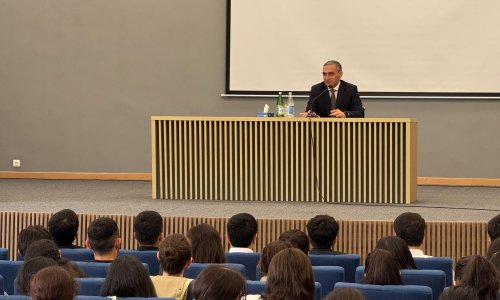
x,y
449,47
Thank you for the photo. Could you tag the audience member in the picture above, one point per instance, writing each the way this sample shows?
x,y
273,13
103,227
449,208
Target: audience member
x,y
398,248
28,269
458,293
174,254
52,283
322,231
241,232
411,228
28,235
381,268
217,282
482,276
148,230
103,239
63,228
269,251
290,276
345,294
494,228
206,244
297,238
493,248
460,267
127,277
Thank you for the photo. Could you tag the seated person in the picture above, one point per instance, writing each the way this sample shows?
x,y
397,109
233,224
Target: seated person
x,y
411,228
217,282
399,250
28,269
322,231
493,253
63,228
241,232
381,268
345,294
206,244
52,283
148,230
269,251
174,254
297,238
103,238
481,275
494,228
458,293
28,235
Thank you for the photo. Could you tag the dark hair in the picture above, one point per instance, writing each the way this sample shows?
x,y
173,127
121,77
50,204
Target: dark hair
x,y
63,227
206,244
381,268
345,294
127,277
495,260
269,251
290,276
43,247
241,230
297,238
217,282
493,248
52,283
102,234
28,269
494,228
30,234
148,226
482,276
397,247
411,228
460,267
458,293
174,252
322,231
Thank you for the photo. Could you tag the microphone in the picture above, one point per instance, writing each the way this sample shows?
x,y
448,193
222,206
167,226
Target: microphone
x,y
311,113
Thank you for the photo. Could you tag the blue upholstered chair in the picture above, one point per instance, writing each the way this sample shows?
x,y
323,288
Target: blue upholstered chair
x,y
255,287
328,276
437,263
4,254
390,292
249,260
8,270
347,261
89,286
147,256
16,297
195,268
78,254
1,285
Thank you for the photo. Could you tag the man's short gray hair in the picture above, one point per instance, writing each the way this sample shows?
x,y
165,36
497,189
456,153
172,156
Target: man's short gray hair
x,y
334,62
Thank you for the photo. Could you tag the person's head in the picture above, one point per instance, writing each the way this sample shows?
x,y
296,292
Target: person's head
x,y
174,254
28,269
332,72
495,260
459,293
43,247
322,231
28,235
63,227
217,282
269,251
103,237
411,228
290,276
127,277
206,244
493,248
345,294
494,228
460,267
148,228
399,250
381,268
241,230
297,238
52,283
482,276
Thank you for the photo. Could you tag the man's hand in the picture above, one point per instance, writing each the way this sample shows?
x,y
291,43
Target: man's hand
x,y
337,113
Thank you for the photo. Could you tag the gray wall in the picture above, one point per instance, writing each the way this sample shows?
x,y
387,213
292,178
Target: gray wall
x,y
79,81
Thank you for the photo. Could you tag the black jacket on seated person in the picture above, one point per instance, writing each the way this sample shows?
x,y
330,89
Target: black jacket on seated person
x,y
347,100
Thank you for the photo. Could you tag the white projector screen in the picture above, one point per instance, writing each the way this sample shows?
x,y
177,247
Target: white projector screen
x,y
385,47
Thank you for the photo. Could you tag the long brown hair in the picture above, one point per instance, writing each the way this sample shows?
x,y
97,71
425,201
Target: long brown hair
x,y
399,249
381,268
217,282
52,283
482,276
206,244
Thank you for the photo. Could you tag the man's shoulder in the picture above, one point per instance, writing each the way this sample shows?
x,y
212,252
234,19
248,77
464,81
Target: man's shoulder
x,y
318,86
348,85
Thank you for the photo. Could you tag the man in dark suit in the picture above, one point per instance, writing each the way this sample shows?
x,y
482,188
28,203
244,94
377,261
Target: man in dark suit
x,y
334,97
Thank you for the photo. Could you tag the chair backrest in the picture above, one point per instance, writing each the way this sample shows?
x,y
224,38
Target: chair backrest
x,y
15,297
77,254
1,285
347,261
8,270
145,256
318,291
255,287
328,276
249,260
437,263
89,286
97,269
389,292
4,254
195,268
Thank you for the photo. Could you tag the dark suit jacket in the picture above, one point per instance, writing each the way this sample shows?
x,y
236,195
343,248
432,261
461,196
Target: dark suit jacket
x,y
348,100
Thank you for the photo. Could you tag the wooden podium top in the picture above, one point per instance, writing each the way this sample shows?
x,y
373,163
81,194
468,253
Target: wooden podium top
x,y
284,119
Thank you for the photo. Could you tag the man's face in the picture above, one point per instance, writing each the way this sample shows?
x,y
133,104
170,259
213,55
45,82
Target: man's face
x,y
331,76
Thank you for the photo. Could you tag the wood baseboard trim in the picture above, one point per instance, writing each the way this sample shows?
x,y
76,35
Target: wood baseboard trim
x,y
486,182
76,176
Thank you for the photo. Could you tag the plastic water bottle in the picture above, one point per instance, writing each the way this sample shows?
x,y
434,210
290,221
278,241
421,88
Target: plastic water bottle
x,y
280,108
291,106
